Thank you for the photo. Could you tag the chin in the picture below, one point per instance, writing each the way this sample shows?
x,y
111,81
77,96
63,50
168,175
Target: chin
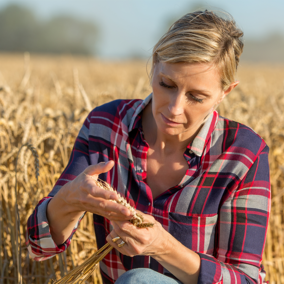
x,y
171,130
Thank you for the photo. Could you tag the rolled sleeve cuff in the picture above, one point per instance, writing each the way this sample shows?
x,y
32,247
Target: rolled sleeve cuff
x,y
210,270
39,241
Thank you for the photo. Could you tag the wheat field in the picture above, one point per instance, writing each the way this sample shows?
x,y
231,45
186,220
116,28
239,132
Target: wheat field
x,y
44,101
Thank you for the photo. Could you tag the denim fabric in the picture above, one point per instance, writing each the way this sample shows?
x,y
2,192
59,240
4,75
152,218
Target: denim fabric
x,y
145,276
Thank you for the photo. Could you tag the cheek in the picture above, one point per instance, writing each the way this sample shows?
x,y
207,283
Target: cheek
x,y
159,96
156,88
197,111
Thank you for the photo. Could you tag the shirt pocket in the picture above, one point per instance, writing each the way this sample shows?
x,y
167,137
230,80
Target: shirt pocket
x,y
196,232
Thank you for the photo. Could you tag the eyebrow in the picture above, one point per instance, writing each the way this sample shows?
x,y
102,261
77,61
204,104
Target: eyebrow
x,y
201,91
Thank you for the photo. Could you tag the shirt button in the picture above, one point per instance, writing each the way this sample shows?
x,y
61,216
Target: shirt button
x,y
190,151
149,203
141,171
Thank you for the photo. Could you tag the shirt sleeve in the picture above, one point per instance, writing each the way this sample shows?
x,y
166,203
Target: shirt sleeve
x,y
38,238
241,230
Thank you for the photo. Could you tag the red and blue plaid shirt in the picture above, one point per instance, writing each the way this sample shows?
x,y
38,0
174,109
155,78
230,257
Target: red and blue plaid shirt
x,y
220,208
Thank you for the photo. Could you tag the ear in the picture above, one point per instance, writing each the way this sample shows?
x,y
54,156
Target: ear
x,y
231,88
227,91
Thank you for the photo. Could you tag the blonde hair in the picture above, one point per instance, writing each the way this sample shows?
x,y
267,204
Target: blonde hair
x,y
202,37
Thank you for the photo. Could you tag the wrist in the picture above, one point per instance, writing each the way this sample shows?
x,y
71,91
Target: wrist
x,y
165,245
59,205
64,199
61,216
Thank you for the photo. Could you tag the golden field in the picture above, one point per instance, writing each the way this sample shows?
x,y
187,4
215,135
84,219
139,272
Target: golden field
x,y
44,100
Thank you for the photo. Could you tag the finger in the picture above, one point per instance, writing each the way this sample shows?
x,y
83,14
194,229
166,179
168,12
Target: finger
x,y
128,248
117,242
99,168
93,189
102,207
112,238
135,236
124,228
147,217
115,217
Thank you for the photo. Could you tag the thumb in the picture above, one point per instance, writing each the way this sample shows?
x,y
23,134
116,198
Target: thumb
x,y
99,168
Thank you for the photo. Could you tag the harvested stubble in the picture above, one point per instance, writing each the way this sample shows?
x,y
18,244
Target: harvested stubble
x,y
44,100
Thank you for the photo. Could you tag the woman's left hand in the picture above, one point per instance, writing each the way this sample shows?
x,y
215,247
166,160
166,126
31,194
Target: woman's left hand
x,y
139,241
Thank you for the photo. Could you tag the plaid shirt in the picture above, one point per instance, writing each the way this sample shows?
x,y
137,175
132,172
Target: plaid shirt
x,y
220,208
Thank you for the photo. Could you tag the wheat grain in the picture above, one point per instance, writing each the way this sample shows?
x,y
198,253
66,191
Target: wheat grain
x,y
8,156
137,219
2,102
57,87
27,129
85,98
33,152
9,111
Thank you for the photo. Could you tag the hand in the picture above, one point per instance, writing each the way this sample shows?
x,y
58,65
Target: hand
x,y
82,194
156,242
140,241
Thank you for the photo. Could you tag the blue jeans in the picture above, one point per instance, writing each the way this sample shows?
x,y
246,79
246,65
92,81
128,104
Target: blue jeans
x,y
144,276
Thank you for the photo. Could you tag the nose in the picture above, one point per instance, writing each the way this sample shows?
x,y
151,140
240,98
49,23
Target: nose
x,y
176,105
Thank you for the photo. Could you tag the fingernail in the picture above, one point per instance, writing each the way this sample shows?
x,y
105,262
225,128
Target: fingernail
x,y
125,211
113,196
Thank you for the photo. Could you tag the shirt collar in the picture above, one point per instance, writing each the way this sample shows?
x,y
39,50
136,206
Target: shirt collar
x,y
199,142
201,139
134,122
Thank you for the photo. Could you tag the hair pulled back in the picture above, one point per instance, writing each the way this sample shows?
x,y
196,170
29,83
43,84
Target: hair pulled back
x,y
202,37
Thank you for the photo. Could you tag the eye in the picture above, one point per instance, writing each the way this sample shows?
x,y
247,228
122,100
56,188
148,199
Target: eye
x,y
192,97
165,85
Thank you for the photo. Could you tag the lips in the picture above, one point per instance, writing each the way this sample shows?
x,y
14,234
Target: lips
x,y
168,121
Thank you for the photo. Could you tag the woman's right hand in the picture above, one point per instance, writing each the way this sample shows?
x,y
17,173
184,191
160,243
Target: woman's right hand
x,y
82,194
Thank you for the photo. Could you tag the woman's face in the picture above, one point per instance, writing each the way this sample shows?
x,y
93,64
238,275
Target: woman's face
x,y
183,95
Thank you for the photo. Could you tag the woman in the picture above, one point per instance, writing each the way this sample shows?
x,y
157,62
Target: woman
x,y
203,180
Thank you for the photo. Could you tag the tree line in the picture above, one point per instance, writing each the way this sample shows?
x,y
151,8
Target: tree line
x,y
21,30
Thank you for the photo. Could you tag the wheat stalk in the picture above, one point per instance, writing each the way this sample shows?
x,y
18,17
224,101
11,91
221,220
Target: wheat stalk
x,y
26,162
9,110
8,156
27,75
57,86
27,128
85,98
76,86
2,102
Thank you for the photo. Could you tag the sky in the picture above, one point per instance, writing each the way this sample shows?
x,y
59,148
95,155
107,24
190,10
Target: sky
x,y
132,27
